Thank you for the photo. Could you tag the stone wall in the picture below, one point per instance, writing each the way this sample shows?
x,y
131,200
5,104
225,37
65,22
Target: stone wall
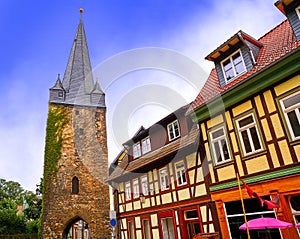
x,y
84,155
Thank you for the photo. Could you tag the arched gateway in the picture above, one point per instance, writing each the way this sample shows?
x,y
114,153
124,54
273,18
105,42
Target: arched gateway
x,y
76,199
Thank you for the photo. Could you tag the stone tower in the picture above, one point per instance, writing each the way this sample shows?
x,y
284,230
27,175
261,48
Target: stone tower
x,y
76,199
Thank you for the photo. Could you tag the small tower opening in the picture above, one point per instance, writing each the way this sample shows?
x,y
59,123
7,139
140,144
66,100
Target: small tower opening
x,y
75,185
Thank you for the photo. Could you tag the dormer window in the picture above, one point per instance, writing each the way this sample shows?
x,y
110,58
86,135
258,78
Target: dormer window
x,y
173,130
233,66
136,150
146,146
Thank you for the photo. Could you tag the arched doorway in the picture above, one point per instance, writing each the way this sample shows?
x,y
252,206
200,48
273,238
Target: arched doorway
x,y
77,229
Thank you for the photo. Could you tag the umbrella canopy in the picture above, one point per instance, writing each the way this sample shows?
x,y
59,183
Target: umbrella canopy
x,y
265,222
298,225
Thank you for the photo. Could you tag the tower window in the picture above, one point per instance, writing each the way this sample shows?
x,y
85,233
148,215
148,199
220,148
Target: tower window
x,y
75,185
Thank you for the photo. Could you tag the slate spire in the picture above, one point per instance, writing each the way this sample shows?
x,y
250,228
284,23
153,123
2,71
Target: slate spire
x,y
78,80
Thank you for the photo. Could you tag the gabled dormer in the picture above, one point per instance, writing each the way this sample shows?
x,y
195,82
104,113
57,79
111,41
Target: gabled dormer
x,y
291,9
235,57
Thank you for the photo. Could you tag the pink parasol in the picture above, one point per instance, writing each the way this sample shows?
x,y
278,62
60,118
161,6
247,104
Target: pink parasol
x,y
264,223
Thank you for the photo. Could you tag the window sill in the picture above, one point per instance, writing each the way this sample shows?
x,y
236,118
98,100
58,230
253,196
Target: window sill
x,y
254,155
224,164
233,78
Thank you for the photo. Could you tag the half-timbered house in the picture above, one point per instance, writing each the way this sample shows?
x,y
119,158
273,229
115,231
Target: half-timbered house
x,y
159,190
248,114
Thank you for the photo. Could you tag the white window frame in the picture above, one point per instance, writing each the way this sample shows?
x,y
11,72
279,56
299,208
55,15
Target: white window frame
x,y
219,140
136,188
181,180
247,129
146,145
288,110
164,179
172,125
136,150
144,185
233,66
127,191
298,11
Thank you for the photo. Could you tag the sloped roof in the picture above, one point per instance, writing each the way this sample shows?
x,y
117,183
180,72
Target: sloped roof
x,y
277,43
126,167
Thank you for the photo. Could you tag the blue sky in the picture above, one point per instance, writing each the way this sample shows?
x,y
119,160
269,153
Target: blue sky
x,y
36,38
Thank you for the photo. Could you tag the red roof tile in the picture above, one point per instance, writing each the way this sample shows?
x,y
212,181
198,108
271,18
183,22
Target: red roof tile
x,y
276,44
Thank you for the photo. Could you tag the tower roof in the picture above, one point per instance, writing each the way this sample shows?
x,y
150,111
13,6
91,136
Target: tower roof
x,y
78,80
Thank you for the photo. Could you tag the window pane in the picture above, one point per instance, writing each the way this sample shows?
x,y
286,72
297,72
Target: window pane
x,y
295,124
246,121
217,152
292,101
255,138
171,132
191,214
239,67
176,129
225,149
246,142
217,133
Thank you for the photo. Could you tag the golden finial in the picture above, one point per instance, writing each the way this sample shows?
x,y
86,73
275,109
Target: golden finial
x,y
81,10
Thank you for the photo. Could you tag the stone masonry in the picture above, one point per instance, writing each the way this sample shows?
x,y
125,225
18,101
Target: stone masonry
x,y
84,155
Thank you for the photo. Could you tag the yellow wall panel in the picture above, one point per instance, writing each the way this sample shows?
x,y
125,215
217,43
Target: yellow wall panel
x,y
274,155
235,146
170,169
166,198
288,85
153,200
297,151
155,233
259,106
242,108
200,177
226,172
191,160
157,200
215,121
200,190
150,176
174,196
183,194
137,205
228,120
128,207
124,223
209,159
137,222
147,202
121,208
203,130
121,187
287,158
192,176
257,164
154,174
277,126
154,222
269,101
139,234
156,186
203,213
239,165
266,129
